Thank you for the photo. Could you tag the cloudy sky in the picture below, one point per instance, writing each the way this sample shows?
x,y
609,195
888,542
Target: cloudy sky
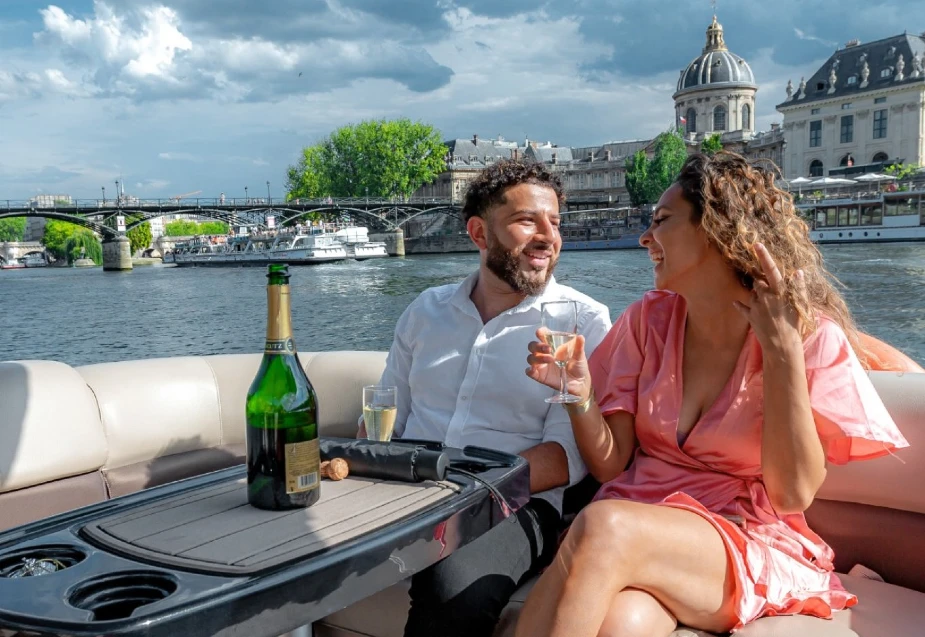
x,y
175,96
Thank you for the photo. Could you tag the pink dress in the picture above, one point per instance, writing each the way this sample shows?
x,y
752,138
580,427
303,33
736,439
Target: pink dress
x,y
781,565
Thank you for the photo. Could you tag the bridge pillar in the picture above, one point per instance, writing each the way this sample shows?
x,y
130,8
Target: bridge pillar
x,y
395,242
117,254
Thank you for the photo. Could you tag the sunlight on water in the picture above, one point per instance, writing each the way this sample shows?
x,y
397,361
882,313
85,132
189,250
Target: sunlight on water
x,y
85,316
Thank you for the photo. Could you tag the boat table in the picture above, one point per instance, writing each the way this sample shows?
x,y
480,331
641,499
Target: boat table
x,y
194,558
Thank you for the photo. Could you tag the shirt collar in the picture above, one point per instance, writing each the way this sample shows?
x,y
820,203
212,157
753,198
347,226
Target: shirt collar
x,y
462,297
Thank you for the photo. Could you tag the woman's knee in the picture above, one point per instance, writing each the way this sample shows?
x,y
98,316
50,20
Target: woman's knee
x,y
604,527
635,613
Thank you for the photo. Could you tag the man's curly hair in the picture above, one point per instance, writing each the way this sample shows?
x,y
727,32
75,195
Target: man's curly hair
x,y
488,188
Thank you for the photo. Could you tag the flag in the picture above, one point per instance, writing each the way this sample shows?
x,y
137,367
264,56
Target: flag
x,y
683,120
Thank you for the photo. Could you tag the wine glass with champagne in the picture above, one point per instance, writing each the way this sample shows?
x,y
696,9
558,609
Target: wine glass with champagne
x,y
560,320
380,408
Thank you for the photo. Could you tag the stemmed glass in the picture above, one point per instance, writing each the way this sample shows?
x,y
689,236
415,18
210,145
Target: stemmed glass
x,y
560,318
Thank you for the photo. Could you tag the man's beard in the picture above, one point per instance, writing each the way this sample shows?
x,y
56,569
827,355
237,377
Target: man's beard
x,y
505,264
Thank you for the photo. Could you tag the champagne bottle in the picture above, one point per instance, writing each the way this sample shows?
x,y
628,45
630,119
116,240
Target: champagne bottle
x,y
283,461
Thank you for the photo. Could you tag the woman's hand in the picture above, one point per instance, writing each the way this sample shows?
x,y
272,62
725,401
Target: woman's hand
x,y
543,368
775,322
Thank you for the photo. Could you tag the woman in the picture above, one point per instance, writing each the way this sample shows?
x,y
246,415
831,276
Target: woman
x,y
730,386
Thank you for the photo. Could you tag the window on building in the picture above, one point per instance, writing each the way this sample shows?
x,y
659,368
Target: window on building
x,y
887,72
847,160
815,168
879,100
852,80
691,117
815,133
880,157
814,111
820,86
880,124
746,117
719,118
847,129
846,106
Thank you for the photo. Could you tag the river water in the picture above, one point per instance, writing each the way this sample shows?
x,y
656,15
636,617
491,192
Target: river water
x,y
82,316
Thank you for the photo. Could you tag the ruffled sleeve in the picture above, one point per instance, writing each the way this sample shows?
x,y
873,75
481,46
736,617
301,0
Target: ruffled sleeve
x,y
616,363
851,419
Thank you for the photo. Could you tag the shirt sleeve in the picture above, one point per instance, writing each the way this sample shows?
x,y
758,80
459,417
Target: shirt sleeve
x,y
398,369
851,419
617,362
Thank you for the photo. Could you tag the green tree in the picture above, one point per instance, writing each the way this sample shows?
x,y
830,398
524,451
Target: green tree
x,y
13,229
637,175
139,237
64,241
186,228
670,155
376,158
712,144
647,179
901,171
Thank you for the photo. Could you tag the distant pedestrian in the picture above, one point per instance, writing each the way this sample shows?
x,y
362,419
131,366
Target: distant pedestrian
x,y
221,199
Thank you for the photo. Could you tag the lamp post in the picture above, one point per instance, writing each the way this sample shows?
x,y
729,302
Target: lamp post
x,y
118,194
104,195
269,198
246,201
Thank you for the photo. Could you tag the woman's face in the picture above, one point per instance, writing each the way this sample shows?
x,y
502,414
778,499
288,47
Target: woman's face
x,y
678,248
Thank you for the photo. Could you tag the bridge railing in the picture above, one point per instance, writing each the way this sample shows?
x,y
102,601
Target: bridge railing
x,y
131,203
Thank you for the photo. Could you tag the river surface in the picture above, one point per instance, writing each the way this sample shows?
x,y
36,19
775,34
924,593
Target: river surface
x,y
81,316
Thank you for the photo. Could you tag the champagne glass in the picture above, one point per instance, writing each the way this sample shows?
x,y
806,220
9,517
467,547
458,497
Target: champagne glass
x,y
380,407
560,318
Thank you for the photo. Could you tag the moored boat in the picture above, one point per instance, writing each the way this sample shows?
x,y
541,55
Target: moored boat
x,y
867,217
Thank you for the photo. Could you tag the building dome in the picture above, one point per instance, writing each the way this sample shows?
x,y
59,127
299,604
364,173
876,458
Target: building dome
x,y
715,66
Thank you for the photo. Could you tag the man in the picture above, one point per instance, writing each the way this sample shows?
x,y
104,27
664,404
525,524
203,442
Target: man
x,y
458,360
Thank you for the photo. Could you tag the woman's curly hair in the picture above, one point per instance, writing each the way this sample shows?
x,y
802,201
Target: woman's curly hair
x,y
737,204
488,188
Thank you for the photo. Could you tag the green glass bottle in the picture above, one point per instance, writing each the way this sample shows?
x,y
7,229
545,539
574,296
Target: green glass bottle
x,y
283,462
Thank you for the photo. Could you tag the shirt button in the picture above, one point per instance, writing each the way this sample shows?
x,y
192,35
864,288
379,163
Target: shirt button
x,y
465,398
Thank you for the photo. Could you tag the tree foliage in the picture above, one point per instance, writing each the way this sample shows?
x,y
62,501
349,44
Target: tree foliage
x,y
64,241
901,171
712,144
647,179
13,229
140,236
186,228
376,158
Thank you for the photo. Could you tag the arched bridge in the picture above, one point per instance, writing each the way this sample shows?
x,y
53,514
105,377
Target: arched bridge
x,y
97,214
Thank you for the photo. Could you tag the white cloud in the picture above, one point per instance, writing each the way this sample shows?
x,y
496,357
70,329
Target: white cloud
x,y
178,157
812,38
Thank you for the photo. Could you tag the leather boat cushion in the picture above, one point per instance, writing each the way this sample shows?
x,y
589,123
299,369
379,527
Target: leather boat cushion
x,y
49,425
164,469
156,407
50,498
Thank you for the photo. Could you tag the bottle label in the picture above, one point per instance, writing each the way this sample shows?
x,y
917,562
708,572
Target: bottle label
x,y
303,465
284,346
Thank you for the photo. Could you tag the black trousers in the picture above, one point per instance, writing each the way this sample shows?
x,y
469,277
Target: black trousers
x,y
463,594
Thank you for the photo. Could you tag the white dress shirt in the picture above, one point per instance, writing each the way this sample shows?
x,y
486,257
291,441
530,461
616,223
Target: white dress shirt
x,y
462,381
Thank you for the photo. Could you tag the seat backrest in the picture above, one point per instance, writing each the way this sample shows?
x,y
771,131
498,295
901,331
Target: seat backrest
x,y
74,436
873,512
52,442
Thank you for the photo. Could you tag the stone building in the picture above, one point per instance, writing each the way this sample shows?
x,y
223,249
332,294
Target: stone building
x,y
715,94
863,109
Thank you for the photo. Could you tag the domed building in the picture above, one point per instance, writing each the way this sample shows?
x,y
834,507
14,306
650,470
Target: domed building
x,y
716,92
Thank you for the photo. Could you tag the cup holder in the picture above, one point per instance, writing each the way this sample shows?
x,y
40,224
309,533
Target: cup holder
x,y
119,596
39,560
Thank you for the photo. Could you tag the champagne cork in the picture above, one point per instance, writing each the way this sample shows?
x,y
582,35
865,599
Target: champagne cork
x,y
335,469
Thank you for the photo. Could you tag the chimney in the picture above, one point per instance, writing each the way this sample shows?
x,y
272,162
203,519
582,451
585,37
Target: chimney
x,y
607,155
775,126
475,140
555,158
514,154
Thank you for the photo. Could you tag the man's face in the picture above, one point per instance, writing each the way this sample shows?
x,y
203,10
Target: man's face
x,y
522,236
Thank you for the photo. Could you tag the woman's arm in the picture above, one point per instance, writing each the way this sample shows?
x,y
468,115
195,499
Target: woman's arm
x,y
792,457
606,444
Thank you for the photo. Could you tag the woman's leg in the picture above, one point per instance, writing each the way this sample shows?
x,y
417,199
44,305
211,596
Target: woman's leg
x,y
673,554
635,613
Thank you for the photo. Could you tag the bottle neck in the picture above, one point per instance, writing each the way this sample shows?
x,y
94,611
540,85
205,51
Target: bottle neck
x,y
279,321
